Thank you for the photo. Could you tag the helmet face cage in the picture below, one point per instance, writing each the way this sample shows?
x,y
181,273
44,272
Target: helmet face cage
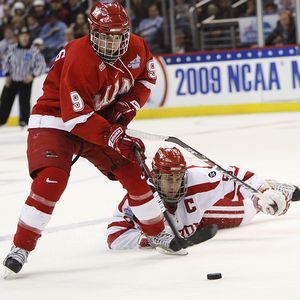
x,y
109,47
169,174
165,181
109,30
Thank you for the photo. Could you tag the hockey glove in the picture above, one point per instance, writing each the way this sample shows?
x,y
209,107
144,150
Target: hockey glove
x,y
272,202
123,112
124,144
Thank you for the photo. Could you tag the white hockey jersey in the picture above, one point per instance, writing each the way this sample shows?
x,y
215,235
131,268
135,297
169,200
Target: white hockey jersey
x,y
211,198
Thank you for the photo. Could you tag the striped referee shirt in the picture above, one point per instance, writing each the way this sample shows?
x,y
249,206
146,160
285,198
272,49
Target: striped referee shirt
x,y
19,62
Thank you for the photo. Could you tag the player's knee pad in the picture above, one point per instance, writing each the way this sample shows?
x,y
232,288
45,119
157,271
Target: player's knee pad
x,y
47,188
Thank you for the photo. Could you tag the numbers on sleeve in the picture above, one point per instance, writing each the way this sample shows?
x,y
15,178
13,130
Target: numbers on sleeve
x,y
151,69
77,101
61,54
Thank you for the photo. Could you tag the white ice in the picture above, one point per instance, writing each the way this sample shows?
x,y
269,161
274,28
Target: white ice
x,y
259,261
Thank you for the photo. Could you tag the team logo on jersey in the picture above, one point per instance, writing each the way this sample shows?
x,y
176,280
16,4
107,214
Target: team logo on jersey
x,y
135,64
102,66
212,174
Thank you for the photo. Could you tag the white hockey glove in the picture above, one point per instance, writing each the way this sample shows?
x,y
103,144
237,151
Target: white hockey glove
x,y
272,202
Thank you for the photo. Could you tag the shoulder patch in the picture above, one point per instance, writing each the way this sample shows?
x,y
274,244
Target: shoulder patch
x,y
212,174
135,63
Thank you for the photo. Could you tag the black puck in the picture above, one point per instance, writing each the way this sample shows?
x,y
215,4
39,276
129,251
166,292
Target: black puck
x,y
213,276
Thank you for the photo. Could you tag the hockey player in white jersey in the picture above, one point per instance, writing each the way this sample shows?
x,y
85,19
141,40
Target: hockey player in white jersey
x,y
197,196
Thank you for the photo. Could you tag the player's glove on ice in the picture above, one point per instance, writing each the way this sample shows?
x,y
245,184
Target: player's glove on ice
x,y
272,202
124,111
124,144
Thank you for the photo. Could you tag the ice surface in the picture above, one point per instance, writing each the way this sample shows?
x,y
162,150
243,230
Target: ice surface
x,y
259,261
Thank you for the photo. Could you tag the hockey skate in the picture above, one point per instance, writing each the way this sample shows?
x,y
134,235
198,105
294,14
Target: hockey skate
x,y
15,260
291,190
166,243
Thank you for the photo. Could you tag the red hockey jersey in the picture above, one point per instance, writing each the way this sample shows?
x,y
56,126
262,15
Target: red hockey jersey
x,y
80,88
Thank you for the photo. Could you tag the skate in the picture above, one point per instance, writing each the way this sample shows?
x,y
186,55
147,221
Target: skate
x,y
291,190
15,260
166,243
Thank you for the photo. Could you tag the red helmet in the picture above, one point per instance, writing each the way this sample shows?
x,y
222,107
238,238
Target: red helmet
x,y
169,173
168,161
109,30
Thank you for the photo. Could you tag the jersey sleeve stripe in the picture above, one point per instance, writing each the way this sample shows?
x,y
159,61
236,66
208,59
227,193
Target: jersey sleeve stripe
x,y
248,175
73,122
147,84
201,188
120,224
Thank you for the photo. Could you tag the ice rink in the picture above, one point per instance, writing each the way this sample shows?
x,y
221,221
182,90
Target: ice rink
x,y
72,261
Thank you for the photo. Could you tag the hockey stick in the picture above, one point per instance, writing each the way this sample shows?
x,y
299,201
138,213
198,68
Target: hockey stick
x,y
177,141
201,235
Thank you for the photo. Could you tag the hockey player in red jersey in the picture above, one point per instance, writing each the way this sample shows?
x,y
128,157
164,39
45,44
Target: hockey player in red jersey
x,y
197,196
92,92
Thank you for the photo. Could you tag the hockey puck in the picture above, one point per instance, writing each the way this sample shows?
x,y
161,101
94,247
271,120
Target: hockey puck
x,y
213,276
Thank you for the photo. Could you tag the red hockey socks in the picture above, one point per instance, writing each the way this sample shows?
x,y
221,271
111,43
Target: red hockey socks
x,y
46,190
141,200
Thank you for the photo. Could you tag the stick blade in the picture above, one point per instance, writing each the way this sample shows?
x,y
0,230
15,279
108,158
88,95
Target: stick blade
x,y
203,234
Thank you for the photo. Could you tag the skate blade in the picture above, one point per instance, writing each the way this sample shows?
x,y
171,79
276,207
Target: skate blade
x,y
181,252
8,274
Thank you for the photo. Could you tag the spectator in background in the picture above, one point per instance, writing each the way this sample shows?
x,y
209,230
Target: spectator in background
x,y
151,29
7,17
39,10
18,9
8,40
225,10
20,65
182,21
270,9
182,13
139,11
28,6
53,36
58,7
18,22
285,31
33,26
183,45
2,3
250,9
80,27
39,44
68,36
289,5
247,9
74,7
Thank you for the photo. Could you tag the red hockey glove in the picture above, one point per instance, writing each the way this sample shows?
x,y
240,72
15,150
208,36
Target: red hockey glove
x,y
124,144
123,112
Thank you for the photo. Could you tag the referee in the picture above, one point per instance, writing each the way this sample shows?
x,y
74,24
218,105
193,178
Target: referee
x,y
21,64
